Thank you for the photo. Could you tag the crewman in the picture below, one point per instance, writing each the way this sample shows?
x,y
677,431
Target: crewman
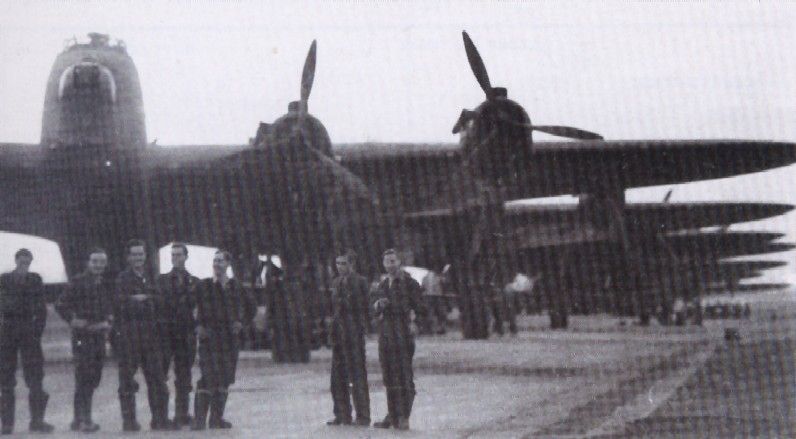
x,y
349,325
176,289
87,305
396,296
223,308
23,313
139,341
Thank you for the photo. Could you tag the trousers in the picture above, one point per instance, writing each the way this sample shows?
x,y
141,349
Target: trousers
x,y
348,368
396,358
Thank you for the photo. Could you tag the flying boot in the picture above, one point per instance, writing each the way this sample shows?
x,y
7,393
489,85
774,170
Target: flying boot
x,y
201,404
217,406
159,403
127,404
181,402
79,406
7,408
37,401
88,426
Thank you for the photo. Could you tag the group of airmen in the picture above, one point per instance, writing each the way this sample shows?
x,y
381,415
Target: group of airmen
x,y
395,299
166,321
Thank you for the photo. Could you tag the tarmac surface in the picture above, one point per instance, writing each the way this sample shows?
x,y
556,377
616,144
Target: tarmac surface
x,y
596,379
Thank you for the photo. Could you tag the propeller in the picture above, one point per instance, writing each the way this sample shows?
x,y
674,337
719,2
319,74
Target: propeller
x,y
477,65
308,76
563,131
340,174
493,93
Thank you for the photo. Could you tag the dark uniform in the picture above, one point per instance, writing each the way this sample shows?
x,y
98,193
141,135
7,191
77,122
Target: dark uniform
x,y
397,344
89,297
218,308
23,313
139,345
176,289
349,324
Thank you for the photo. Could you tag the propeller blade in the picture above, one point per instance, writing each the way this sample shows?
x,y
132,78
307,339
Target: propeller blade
x,y
573,133
465,117
308,76
477,64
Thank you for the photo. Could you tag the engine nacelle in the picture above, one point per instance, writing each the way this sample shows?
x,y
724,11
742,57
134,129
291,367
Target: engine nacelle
x,y
282,129
496,139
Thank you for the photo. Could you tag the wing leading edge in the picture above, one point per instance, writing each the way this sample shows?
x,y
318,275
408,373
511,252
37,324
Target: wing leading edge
x,y
23,193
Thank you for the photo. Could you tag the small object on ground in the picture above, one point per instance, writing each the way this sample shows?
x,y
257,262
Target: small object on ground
x,y
732,334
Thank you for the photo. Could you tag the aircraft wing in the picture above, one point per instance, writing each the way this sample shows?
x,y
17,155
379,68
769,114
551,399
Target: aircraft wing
x,y
685,246
23,195
543,225
182,184
750,288
433,171
579,166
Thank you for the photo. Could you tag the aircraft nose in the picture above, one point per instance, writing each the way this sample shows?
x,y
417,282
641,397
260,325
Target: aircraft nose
x,y
88,79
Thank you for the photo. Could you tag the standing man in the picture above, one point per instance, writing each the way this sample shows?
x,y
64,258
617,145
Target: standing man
x,y
176,289
396,296
87,305
139,343
23,314
349,323
222,308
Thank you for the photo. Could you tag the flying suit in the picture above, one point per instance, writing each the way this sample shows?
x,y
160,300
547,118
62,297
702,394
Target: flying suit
x,y
139,345
176,289
349,323
219,309
23,313
90,298
396,342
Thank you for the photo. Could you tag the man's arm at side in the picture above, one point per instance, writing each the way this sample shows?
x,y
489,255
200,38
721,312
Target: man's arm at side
x,y
40,313
249,305
64,305
122,298
363,306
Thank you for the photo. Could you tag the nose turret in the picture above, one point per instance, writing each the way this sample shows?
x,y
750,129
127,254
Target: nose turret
x,y
88,80
93,97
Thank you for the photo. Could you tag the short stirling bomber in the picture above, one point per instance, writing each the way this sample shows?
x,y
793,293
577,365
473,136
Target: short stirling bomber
x,y
94,180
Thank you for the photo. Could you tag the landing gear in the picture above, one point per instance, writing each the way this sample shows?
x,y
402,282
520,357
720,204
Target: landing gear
x,y
284,297
290,335
474,313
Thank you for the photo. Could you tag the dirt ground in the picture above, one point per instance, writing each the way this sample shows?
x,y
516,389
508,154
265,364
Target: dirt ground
x,y
597,379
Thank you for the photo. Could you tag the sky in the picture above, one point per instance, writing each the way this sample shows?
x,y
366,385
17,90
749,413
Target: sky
x,y
210,71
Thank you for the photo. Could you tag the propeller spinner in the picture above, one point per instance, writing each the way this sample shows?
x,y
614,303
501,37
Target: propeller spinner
x,y
498,95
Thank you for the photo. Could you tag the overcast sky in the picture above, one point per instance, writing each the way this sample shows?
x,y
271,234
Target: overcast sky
x,y
397,72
